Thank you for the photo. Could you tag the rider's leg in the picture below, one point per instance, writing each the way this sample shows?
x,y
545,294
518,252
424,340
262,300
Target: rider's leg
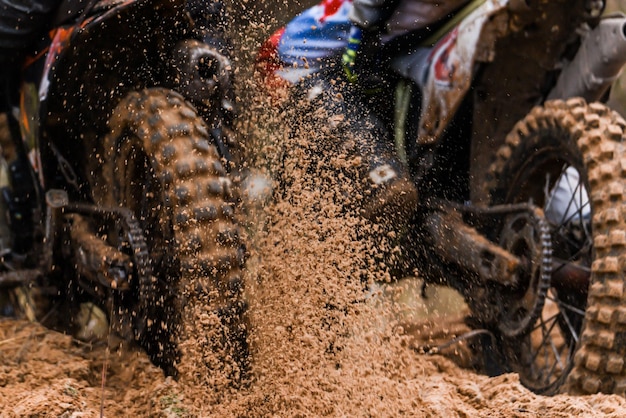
x,y
211,21
388,194
22,23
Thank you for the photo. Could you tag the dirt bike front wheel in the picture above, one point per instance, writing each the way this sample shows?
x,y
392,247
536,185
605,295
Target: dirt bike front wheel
x,y
568,159
159,162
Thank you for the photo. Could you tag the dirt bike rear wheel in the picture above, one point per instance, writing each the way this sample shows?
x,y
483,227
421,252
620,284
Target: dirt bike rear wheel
x,y
576,343
158,161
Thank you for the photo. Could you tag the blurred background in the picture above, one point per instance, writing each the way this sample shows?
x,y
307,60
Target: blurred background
x,y
259,19
618,94
264,17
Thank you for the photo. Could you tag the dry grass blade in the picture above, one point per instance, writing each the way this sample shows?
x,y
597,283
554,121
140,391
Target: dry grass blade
x,y
107,351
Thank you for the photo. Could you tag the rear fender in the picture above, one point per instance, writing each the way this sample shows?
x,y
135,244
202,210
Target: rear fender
x,y
124,49
451,63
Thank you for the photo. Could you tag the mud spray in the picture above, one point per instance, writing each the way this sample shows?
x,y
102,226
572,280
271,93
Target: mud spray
x,y
326,338
328,334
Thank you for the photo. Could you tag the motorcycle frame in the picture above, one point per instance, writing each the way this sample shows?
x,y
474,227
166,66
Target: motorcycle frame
x,y
486,71
500,53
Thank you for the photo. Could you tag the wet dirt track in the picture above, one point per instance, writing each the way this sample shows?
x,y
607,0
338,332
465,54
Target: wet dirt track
x,y
320,346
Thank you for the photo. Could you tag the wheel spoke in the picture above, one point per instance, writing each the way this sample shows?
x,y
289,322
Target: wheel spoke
x,y
571,328
576,193
569,204
542,322
572,308
544,336
582,247
576,200
547,336
555,351
547,345
552,369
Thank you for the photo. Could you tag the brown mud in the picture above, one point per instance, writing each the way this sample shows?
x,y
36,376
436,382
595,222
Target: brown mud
x,y
330,334
322,342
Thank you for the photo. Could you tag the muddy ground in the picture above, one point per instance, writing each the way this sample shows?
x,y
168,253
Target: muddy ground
x,y
321,344
47,374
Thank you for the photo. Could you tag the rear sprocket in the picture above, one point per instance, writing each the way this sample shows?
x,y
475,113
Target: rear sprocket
x,y
567,158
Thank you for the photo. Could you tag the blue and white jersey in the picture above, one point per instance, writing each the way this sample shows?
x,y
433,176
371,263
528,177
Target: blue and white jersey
x,y
316,33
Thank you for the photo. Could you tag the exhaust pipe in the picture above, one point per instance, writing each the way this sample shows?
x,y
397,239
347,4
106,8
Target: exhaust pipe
x,y
597,64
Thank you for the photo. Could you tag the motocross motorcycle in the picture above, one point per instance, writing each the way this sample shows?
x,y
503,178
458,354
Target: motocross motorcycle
x,y
120,192
519,168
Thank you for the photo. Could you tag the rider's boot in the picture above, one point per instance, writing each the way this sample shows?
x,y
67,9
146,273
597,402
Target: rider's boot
x,y
388,194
